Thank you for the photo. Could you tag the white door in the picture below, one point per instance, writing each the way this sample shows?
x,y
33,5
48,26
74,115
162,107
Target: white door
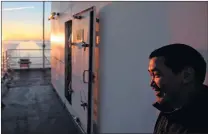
x,y
83,41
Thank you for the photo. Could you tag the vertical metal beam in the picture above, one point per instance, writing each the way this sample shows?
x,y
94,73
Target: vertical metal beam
x,y
43,34
90,77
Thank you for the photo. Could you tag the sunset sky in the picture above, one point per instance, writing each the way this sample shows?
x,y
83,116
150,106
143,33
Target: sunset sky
x,y
24,20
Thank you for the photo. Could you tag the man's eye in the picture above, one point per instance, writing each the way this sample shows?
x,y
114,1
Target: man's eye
x,y
157,75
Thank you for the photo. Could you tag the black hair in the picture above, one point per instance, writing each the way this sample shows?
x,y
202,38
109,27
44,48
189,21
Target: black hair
x,y
178,56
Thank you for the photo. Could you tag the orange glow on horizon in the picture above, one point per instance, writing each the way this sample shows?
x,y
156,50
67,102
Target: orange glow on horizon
x,y
21,31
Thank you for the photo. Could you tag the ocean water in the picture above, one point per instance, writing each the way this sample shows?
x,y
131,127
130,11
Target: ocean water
x,y
13,44
35,53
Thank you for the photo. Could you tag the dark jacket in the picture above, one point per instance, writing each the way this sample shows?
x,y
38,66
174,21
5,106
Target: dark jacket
x,y
192,118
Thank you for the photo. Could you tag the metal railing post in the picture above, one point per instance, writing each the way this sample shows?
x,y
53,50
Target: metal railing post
x,y
43,35
43,56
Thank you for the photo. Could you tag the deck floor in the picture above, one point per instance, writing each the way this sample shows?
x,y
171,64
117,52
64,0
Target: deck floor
x,y
33,107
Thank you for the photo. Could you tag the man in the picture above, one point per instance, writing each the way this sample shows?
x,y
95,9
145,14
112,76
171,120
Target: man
x,y
177,74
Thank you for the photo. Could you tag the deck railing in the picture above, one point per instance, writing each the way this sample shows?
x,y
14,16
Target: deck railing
x,y
11,58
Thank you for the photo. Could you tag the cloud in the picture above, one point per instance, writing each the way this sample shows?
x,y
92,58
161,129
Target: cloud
x,y
17,8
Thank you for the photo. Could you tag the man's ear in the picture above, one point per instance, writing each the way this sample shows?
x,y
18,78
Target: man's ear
x,y
188,75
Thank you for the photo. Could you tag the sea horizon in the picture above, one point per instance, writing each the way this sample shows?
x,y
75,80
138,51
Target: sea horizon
x,y
12,44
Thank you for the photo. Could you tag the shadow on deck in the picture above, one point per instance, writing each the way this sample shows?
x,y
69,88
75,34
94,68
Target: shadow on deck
x,y
33,107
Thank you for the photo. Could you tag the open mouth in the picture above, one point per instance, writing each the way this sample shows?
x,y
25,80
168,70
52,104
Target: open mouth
x,y
159,94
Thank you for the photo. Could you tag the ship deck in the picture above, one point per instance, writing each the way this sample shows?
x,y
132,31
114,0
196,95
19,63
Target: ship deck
x,y
33,107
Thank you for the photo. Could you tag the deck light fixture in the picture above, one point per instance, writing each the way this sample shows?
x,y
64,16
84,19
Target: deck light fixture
x,y
53,16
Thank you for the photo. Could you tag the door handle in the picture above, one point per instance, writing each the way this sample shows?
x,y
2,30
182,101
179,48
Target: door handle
x,y
84,76
85,45
93,76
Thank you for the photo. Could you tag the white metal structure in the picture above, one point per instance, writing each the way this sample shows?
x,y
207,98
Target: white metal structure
x,y
101,64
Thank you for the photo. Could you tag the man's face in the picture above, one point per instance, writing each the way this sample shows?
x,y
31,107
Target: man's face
x,y
164,82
